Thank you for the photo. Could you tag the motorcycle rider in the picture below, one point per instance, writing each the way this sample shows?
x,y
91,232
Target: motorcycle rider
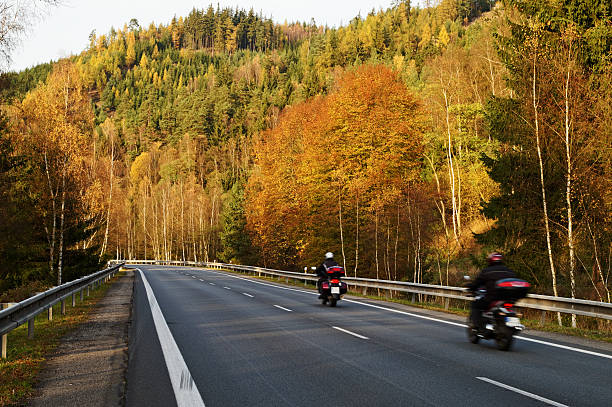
x,y
486,279
322,270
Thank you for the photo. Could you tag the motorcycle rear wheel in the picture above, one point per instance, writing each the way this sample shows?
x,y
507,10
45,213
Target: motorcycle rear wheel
x,y
503,337
332,302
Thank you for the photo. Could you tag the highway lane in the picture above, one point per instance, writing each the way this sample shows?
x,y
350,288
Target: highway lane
x,y
250,342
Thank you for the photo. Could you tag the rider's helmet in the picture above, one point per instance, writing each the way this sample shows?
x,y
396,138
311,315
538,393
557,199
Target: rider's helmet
x,y
495,257
329,255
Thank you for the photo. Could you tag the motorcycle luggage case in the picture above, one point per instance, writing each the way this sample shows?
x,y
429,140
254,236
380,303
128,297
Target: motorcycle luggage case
x,y
511,289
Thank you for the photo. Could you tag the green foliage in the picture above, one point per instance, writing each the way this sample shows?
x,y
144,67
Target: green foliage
x,y
237,246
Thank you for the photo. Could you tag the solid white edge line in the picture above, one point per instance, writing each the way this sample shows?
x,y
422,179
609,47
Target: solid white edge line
x,y
570,348
185,389
350,333
248,295
283,308
588,352
523,392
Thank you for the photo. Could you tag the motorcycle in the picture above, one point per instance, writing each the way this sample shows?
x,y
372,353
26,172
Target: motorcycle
x,y
333,289
501,321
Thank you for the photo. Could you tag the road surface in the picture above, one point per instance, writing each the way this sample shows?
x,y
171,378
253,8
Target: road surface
x,y
205,337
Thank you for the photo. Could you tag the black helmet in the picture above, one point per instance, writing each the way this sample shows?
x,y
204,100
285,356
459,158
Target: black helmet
x,y
495,257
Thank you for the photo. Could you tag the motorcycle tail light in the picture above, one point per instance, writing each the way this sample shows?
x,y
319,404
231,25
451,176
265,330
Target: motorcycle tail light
x,y
335,281
508,305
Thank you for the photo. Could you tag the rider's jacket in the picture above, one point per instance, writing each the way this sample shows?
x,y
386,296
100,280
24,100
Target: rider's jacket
x,y
322,269
488,277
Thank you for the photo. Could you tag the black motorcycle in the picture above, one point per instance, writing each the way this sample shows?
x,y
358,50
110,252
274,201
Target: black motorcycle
x,y
334,288
501,321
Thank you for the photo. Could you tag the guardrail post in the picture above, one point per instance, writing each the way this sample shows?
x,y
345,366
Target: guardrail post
x,y
73,299
543,318
4,337
50,313
88,285
81,295
63,307
31,328
446,303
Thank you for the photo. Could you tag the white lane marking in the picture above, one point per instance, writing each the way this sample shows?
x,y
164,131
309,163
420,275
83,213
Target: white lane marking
x,y
248,295
212,283
200,279
185,389
283,308
523,392
588,352
227,288
556,345
193,277
350,333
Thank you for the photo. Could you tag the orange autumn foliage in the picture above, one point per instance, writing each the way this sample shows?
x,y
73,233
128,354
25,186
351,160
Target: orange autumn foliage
x,y
362,143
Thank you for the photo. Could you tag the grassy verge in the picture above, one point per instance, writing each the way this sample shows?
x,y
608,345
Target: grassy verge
x,y
529,319
25,357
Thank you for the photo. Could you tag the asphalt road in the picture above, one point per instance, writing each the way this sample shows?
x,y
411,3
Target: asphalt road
x,y
247,342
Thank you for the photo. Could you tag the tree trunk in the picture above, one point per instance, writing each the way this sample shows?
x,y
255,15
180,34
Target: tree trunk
x,y
182,221
397,225
568,190
357,236
543,189
451,169
51,236
376,245
110,197
341,231
60,260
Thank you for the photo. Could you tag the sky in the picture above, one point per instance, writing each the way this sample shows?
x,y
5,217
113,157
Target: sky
x,y
65,30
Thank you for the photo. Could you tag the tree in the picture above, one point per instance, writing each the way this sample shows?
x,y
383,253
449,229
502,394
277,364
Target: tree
x,y
545,127
56,121
15,17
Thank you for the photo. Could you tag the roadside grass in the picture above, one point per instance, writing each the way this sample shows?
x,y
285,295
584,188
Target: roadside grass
x,y
25,357
530,318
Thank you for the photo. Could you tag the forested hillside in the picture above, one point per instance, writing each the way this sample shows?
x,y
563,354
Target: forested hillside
x,y
410,142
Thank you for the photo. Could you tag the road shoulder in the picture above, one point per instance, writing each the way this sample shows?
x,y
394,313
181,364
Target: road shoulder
x,y
89,366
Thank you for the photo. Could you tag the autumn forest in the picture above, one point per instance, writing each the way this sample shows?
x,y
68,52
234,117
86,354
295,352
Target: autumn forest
x,y
410,142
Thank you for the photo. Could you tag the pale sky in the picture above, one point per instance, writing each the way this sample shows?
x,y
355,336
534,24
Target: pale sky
x,y
66,29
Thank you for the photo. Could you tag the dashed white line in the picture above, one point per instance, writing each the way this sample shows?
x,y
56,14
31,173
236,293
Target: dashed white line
x,y
248,295
212,283
523,392
283,308
396,311
227,288
350,333
200,279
